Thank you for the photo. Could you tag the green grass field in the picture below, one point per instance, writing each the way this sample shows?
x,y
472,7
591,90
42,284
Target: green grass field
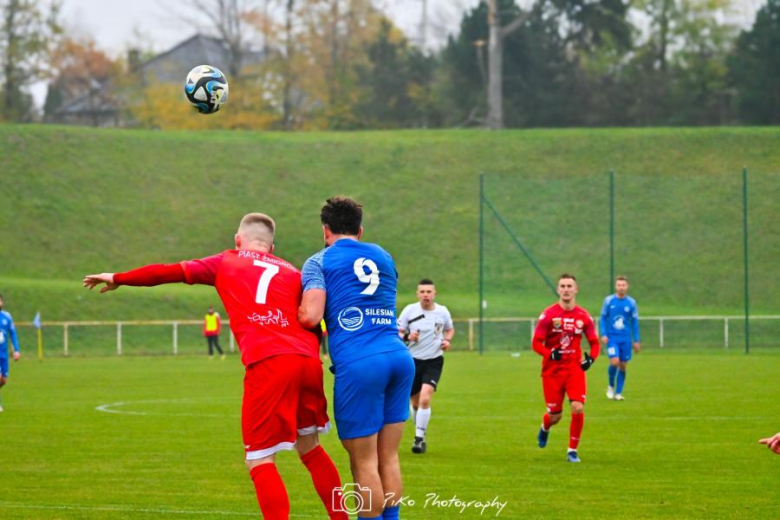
x,y
682,445
81,200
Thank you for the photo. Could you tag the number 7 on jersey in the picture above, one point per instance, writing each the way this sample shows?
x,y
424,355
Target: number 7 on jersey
x,y
270,271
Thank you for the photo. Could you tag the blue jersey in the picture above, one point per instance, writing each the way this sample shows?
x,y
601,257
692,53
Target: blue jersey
x,y
7,332
620,318
360,281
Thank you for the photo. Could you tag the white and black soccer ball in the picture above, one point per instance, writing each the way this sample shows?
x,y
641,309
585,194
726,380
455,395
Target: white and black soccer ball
x,y
206,88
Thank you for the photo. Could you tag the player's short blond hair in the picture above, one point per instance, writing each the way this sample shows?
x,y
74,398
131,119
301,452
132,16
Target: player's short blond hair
x,y
257,227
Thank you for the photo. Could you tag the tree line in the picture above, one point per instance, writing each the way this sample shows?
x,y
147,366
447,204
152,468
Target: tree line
x,y
343,65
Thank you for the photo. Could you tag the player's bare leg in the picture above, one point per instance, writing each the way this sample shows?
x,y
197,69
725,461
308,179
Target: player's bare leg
x,y
575,430
390,467
414,405
323,472
364,462
422,418
271,493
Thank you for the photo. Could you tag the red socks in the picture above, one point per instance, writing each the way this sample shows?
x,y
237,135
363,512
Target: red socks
x,y
546,423
271,493
577,421
325,477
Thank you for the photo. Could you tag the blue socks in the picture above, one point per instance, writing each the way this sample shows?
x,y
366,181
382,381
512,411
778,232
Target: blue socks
x,y
621,380
612,373
390,513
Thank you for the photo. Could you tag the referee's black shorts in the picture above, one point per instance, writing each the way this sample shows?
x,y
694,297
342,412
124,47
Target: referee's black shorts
x,y
427,372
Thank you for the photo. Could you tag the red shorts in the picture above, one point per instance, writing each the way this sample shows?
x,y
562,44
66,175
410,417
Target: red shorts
x,y
563,382
283,398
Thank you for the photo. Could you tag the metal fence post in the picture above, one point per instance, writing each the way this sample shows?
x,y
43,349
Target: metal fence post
x,y
726,333
611,229
481,257
661,332
745,245
65,339
471,334
175,338
119,338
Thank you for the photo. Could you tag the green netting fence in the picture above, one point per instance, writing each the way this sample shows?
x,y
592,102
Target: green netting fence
x,y
699,250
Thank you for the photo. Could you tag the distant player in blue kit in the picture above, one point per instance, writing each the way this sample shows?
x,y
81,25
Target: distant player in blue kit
x,y
353,285
7,333
619,327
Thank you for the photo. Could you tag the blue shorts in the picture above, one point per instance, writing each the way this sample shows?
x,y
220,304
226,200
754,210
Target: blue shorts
x,y
371,392
4,366
619,348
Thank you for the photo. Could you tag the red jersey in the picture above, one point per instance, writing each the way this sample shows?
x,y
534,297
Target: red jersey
x,y
261,294
561,329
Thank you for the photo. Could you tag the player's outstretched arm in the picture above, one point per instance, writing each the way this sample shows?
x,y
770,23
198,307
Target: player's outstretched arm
x,y
773,443
93,280
147,276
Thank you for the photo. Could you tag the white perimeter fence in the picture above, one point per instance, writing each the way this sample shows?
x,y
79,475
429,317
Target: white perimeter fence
x,y
467,336
658,331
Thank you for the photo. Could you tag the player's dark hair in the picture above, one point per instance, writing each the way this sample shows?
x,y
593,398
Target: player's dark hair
x,y
342,215
566,275
426,281
621,277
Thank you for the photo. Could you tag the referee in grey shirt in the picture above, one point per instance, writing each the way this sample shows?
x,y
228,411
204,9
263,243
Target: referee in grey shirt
x,y
427,328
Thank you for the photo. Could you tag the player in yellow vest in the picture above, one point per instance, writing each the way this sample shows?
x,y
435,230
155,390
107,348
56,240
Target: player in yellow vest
x,y
324,340
211,327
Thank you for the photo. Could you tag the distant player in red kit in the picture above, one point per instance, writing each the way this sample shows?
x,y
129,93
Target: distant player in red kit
x,y
557,339
284,404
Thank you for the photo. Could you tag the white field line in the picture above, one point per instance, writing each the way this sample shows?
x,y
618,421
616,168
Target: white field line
x,y
109,408
130,509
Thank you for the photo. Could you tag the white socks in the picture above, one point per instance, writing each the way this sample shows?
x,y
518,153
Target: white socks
x,y
421,421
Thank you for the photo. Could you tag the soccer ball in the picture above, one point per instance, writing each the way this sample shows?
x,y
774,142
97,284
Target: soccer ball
x,y
206,88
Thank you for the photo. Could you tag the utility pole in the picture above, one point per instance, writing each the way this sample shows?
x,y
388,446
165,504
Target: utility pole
x,y
424,26
495,117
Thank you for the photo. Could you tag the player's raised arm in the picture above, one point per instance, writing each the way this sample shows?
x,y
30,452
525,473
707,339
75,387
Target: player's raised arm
x,y
202,271
147,276
93,280
773,443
